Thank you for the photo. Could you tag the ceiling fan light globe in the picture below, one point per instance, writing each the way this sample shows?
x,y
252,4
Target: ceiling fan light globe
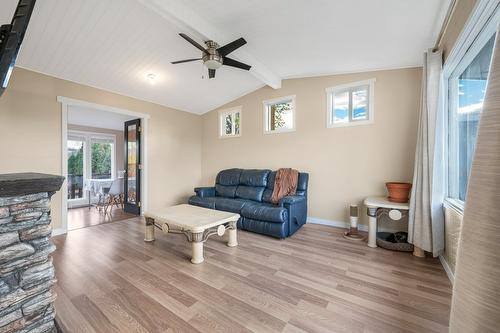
x,y
213,64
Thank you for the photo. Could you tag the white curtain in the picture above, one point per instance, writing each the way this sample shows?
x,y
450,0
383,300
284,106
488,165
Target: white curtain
x,y
475,305
426,216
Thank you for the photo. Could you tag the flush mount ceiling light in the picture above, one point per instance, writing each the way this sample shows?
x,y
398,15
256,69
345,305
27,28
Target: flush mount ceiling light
x,y
151,78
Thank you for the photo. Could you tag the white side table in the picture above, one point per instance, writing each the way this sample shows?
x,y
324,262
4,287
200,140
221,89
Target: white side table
x,y
373,204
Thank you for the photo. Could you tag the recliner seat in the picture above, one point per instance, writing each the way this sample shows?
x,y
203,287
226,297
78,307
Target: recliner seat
x,y
248,193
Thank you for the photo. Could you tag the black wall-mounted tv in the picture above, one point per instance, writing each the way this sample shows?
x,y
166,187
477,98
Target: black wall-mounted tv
x,y
11,37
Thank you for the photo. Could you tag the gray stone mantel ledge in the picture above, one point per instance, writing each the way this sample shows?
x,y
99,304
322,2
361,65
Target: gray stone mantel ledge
x,y
14,184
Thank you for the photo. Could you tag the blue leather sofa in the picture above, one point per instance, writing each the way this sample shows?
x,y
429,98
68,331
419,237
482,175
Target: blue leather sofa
x,y
248,193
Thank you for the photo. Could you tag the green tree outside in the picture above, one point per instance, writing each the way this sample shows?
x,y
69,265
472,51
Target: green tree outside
x,y
101,160
278,110
75,163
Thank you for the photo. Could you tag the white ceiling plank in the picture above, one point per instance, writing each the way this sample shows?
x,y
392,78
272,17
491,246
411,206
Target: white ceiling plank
x,y
113,44
186,18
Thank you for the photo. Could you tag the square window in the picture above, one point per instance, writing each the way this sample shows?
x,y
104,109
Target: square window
x,y
230,122
279,115
350,104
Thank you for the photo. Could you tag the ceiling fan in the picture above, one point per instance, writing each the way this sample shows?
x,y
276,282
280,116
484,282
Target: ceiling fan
x,y
214,56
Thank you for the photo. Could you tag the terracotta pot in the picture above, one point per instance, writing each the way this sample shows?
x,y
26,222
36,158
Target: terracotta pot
x,y
398,192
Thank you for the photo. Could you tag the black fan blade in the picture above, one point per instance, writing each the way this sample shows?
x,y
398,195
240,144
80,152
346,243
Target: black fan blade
x,y
211,73
234,63
187,60
228,48
193,42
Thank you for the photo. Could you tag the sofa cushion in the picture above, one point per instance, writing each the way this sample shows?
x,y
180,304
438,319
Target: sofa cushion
x,y
229,177
265,212
250,192
268,192
302,183
206,202
226,191
270,180
230,205
266,196
254,177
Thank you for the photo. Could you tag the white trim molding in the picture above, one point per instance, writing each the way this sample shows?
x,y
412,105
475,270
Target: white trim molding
x,y
273,101
484,17
346,225
456,205
68,102
447,269
58,231
77,102
336,224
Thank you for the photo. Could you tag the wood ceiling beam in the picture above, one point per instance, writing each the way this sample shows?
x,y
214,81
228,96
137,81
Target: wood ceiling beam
x,y
188,21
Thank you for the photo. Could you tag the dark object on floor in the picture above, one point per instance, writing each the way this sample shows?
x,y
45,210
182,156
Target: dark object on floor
x,y
248,193
394,241
398,237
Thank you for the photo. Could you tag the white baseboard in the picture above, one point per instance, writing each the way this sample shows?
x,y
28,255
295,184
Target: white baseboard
x,y
58,231
337,224
447,269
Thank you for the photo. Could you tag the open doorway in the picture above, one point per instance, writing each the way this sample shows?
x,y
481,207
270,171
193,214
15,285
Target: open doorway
x,y
102,153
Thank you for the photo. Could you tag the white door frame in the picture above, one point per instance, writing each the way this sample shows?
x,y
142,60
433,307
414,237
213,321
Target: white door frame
x,y
67,102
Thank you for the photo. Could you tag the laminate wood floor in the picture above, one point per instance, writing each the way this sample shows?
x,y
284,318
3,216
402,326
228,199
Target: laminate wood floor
x,y
83,217
110,280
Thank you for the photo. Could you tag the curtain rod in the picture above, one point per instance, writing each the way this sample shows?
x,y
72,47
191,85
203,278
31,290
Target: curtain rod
x,y
446,21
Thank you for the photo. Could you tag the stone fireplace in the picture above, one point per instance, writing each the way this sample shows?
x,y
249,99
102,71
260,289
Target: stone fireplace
x,y
26,271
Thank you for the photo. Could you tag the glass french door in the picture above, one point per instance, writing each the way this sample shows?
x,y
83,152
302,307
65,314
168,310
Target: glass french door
x,y
133,166
76,167
91,156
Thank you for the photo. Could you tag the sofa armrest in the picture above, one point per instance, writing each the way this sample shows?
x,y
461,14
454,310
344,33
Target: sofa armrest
x,y
205,191
296,205
292,199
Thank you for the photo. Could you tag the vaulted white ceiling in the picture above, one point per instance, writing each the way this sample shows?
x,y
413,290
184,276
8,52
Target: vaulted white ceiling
x,y
114,44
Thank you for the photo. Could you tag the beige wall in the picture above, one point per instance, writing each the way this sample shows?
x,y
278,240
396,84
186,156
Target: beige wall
x,y
119,148
461,13
345,164
30,135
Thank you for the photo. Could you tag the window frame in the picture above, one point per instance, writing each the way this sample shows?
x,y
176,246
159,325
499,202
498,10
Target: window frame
x,y
266,107
480,27
349,87
222,115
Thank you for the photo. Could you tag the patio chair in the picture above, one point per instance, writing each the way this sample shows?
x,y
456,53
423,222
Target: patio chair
x,y
115,195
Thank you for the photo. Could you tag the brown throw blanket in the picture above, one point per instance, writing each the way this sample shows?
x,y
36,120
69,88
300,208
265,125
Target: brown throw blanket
x,y
284,184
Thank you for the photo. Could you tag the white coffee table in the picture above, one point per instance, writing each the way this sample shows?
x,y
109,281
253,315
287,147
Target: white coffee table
x,y
196,223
